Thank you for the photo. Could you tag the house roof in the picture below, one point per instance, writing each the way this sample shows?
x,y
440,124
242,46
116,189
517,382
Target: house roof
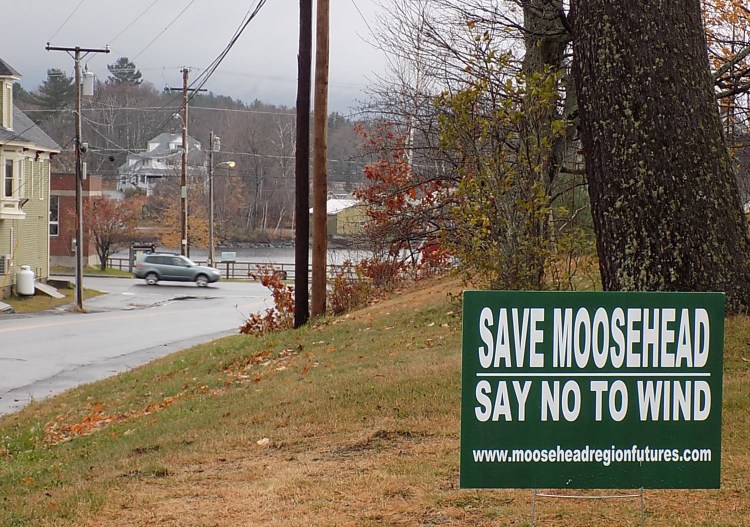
x,y
26,131
334,206
163,141
136,163
7,71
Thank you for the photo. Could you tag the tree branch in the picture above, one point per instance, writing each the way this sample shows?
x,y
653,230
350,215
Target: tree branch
x,y
731,63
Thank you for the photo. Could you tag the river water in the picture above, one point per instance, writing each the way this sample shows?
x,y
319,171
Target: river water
x,y
272,255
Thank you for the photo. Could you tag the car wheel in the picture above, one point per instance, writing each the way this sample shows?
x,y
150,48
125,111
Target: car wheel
x,y
151,278
201,280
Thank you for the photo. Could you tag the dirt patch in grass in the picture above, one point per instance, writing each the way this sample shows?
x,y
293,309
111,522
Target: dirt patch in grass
x,y
332,484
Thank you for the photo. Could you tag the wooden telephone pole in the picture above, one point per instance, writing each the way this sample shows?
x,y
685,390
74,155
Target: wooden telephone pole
x,y
75,52
302,168
184,244
320,164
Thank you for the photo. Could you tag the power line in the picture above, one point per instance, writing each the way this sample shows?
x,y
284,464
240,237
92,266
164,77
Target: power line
x,y
154,109
362,16
209,71
164,30
102,151
136,19
66,21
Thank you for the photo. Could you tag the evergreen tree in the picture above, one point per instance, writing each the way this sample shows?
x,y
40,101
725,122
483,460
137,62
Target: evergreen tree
x,y
21,97
123,71
57,91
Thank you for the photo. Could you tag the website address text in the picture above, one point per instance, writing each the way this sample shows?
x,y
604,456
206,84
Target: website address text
x,y
605,456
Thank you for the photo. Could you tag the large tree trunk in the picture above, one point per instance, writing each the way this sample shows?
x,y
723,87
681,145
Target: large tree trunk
x,y
664,198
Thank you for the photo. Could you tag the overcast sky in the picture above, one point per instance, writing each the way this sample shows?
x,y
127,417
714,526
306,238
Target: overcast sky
x,y
160,39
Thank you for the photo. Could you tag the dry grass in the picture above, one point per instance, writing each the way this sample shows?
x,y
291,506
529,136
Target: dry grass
x,y
42,302
354,422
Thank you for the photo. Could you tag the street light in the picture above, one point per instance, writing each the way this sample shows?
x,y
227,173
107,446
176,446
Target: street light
x,y
215,143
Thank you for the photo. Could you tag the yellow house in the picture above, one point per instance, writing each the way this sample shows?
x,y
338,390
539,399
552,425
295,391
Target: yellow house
x,y
25,154
345,217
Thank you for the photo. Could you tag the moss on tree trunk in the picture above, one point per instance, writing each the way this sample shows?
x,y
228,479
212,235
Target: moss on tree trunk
x,y
664,197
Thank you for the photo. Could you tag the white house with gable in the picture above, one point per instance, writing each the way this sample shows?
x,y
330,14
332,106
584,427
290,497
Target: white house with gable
x,y
162,158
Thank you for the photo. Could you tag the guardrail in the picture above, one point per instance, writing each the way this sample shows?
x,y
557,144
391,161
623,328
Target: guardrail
x,y
240,270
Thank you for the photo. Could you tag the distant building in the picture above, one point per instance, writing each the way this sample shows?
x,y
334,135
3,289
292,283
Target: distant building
x,y
162,158
62,224
345,217
25,155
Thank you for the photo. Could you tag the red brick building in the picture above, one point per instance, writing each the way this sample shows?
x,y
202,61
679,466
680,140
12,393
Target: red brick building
x,y
63,220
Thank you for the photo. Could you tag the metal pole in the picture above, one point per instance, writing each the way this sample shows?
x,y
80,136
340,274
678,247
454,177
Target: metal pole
x,y
184,245
211,248
643,510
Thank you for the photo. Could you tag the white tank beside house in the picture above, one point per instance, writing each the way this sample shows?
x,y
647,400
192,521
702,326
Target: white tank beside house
x,y
25,281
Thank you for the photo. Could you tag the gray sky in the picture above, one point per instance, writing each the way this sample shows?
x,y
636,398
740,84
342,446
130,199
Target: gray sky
x,y
262,65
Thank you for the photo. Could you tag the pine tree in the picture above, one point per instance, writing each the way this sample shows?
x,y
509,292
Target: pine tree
x,y
123,71
56,92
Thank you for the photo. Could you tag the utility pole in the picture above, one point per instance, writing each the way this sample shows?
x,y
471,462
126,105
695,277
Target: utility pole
x,y
320,168
302,167
212,145
75,52
184,245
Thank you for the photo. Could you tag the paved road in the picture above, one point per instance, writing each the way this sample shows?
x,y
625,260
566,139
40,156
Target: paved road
x,y
46,353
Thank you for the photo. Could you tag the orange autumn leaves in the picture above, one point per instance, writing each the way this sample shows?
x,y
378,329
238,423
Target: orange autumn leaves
x,y
97,416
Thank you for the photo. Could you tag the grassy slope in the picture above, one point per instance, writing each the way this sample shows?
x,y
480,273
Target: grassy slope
x,y
42,302
350,423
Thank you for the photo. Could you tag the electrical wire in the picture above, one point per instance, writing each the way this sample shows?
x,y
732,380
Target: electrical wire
x,y
154,109
202,79
136,19
163,30
362,16
66,21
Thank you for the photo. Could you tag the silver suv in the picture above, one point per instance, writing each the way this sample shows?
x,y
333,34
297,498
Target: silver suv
x,y
173,267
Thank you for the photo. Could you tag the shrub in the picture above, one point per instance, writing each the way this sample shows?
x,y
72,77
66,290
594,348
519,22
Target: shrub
x,y
281,315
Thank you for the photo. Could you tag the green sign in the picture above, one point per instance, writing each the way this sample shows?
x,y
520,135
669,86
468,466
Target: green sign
x,y
591,390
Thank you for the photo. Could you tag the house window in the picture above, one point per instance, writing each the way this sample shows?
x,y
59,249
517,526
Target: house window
x,y
54,215
8,186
